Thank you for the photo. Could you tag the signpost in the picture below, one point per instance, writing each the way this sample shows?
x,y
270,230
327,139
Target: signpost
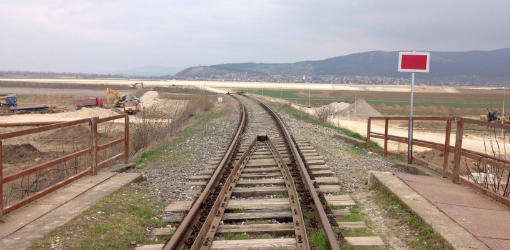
x,y
412,62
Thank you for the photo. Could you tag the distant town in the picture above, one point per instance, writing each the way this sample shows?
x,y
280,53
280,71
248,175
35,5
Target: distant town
x,y
236,77
374,80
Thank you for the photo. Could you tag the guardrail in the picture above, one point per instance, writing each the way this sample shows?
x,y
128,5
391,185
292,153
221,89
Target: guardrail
x,y
490,184
92,150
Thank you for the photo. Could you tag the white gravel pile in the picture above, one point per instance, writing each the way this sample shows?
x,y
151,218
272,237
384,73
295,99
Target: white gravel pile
x,y
359,110
150,98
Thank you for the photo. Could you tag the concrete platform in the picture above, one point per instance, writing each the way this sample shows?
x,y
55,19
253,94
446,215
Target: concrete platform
x,y
464,218
30,223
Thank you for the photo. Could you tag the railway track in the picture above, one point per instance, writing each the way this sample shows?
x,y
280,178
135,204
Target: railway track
x,y
266,191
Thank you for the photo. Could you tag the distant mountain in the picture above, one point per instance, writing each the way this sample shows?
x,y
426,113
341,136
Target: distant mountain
x,y
495,63
149,71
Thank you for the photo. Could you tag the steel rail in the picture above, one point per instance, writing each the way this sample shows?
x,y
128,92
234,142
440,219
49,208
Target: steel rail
x,y
185,228
205,237
297,213
323,219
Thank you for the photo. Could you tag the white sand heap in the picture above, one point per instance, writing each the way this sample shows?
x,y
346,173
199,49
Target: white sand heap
x,y
335,106
150,98
359,110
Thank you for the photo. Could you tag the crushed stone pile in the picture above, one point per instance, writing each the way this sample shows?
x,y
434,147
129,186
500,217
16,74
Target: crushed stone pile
x,y
360,110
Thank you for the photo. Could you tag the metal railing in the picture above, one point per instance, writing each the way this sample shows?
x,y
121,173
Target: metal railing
x,y
92,151
499,164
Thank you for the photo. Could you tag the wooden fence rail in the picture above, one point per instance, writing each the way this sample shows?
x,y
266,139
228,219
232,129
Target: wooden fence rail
x,y
446,148
92,150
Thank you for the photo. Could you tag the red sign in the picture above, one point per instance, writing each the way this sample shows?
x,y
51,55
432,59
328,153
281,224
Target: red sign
x,y
413,62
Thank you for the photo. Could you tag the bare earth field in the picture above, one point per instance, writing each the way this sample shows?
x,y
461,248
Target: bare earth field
x,y
388,100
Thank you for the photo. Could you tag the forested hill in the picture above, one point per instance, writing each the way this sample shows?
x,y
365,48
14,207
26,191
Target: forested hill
x,y
495,63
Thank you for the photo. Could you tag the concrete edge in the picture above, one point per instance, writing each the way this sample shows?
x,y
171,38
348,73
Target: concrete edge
x,y
417,169
444,227
119,168
356,142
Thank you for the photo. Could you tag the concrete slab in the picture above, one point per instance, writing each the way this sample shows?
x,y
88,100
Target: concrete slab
x,y
457,236
486,219
22,237
23,216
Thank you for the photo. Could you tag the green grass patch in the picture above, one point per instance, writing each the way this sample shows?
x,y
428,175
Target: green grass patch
x,y
241,210
113,223
308,215
233,236
282,195
177,157
356,151
306,118
319,240
294,96
427,239
181,137
353,216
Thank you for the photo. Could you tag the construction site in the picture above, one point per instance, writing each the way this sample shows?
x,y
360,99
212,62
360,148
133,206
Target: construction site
x,y
55,134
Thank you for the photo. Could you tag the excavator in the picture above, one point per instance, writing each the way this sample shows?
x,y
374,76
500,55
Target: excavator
x,y
494,116
133,86
8,100
119,100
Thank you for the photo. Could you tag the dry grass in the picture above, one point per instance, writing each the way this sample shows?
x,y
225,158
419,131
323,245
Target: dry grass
x,y
157,125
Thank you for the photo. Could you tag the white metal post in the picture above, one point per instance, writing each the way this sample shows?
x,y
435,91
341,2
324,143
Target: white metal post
x,y
281,91
309,95
410,160
355,104
503,117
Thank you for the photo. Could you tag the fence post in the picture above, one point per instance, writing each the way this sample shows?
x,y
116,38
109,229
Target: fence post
x,y
93,128
126,138
458,150
368,132
1,184
446,154
386,137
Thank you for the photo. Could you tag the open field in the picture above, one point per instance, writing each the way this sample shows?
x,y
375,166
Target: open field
x,y
466,102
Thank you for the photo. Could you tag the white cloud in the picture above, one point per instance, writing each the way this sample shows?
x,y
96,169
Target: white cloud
x,y
105,36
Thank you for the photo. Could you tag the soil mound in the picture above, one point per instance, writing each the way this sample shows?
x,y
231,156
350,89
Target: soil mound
x,y
359,110
73,132
19,153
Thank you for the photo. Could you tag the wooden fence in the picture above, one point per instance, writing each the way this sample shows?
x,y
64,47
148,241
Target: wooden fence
x,y
92,151
500,193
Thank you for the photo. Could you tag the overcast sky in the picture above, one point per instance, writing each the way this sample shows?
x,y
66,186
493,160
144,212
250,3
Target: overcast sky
x,y
108,36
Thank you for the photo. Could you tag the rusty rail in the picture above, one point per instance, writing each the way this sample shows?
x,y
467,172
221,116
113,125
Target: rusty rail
x,y
93,150
206,234
186,227
321,214
446,148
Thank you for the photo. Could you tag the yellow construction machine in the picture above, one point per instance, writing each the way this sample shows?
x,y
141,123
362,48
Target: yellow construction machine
x,y
119,100
494,116
133,86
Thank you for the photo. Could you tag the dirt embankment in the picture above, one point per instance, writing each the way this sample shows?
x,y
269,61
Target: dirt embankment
x,y
17,153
